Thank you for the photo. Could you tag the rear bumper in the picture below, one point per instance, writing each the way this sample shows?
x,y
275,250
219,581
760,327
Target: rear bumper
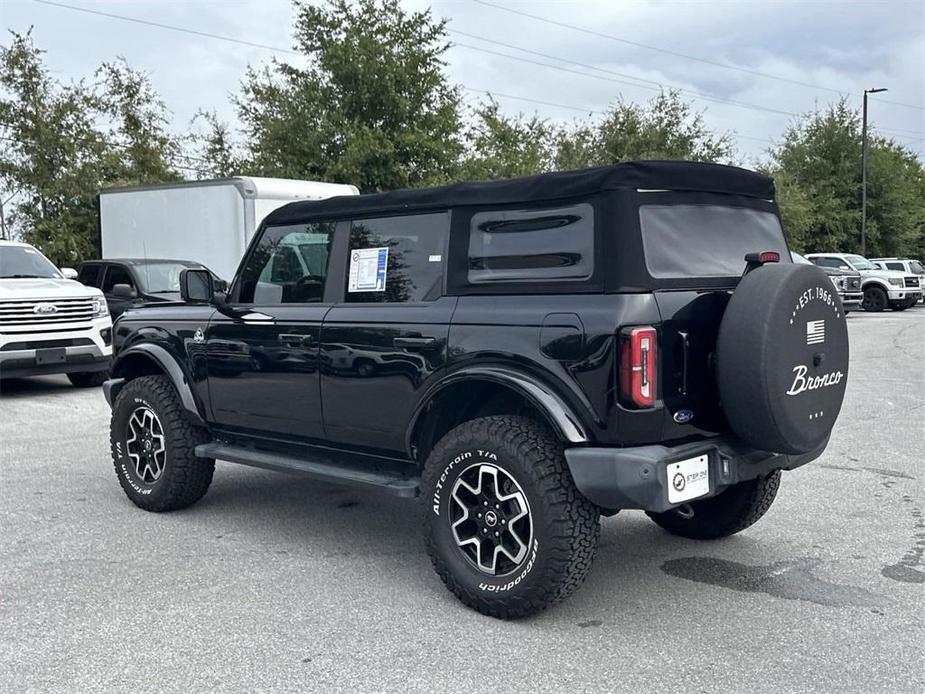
x,y
636,478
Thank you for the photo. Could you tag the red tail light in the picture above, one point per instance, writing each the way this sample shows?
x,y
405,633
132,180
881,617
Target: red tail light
x,y
638,356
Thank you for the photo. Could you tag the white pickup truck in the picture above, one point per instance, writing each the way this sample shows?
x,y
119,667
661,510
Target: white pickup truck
x,y
49,322
882,288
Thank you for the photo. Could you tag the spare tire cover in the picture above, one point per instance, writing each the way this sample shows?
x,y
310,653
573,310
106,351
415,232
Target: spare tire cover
x,y
782,358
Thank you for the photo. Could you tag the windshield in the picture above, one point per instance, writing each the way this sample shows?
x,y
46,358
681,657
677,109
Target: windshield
x,y
693,240
160,278
25,261
860,263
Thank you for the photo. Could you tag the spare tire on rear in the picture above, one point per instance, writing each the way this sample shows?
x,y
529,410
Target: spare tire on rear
x,y
782,358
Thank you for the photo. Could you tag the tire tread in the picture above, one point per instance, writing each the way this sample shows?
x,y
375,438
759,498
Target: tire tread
x,y
572,546
732,511
188,477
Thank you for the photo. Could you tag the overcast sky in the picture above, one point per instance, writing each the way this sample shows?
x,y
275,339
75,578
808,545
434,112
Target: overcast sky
x,y
832,47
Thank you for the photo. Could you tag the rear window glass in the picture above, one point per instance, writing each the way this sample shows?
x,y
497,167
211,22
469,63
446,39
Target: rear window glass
x,y
706,240
532,245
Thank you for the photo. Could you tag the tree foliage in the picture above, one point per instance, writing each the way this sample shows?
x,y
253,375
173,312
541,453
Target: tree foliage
x,y
372,106
500,146
61,143
666,127
817,169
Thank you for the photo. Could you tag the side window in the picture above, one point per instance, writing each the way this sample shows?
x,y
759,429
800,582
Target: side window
x,y
829,262
532,245
116,274
289,265
89,275
894,266
397,259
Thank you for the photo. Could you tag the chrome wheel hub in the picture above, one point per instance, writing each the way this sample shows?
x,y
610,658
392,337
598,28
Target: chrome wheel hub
x,y
146,445
490,519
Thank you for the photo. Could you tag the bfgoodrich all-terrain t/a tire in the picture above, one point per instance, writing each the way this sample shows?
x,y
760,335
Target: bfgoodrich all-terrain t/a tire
x,y
505,527
153,447
727,513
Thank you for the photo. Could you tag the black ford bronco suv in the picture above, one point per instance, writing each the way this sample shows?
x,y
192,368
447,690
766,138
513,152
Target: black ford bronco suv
x,y
523,355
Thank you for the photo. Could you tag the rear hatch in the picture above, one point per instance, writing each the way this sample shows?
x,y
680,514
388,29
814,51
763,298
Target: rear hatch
x,y
695,246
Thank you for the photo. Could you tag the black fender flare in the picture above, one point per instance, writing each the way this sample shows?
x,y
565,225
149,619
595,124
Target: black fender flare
x,y
167,363
566,424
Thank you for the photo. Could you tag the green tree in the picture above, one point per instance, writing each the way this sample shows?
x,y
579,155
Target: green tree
x,y
795,210
139,123
216,146
372,107
664,128
59,144
817,169
500,146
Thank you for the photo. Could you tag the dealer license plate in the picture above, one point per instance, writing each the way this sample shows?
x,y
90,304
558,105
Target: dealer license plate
x,y
55,355
688,479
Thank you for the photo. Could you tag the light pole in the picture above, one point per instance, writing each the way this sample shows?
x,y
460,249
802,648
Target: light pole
x,y
864,171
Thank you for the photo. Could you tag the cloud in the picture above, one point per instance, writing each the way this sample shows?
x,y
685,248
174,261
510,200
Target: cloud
x,y
836,45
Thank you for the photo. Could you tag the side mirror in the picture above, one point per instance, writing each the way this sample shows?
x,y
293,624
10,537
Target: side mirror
x,y
69,273
196,286
844,267
220,285
124,291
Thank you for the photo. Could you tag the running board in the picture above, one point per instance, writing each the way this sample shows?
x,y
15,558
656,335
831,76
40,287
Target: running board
x,y
325,469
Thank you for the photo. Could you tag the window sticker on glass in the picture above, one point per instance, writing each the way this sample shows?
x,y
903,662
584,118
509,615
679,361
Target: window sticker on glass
x,y
367,269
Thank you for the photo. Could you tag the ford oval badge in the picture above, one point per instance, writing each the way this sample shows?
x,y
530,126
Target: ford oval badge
x,y
683,416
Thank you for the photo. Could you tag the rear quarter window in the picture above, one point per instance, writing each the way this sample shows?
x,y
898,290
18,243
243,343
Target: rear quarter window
x,y
518,245
697,240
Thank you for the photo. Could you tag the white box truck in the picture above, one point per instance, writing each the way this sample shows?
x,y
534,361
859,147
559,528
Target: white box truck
x,y
209,222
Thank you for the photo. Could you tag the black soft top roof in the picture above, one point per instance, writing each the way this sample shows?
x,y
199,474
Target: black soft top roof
x,y
642,175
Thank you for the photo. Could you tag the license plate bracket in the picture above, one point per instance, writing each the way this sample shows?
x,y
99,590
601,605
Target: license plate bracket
x,y
688,479
53,355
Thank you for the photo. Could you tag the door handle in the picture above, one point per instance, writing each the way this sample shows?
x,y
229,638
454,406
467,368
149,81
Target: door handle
x,y
414,343
294,340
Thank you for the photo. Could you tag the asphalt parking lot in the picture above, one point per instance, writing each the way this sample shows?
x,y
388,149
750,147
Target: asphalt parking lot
x,y
273,583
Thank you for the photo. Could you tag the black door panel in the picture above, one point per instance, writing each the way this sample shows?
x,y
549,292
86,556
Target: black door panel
x,y
376,361
263,374
263,348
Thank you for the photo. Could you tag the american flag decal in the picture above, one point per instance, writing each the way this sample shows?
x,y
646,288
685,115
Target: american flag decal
x,y
815,332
